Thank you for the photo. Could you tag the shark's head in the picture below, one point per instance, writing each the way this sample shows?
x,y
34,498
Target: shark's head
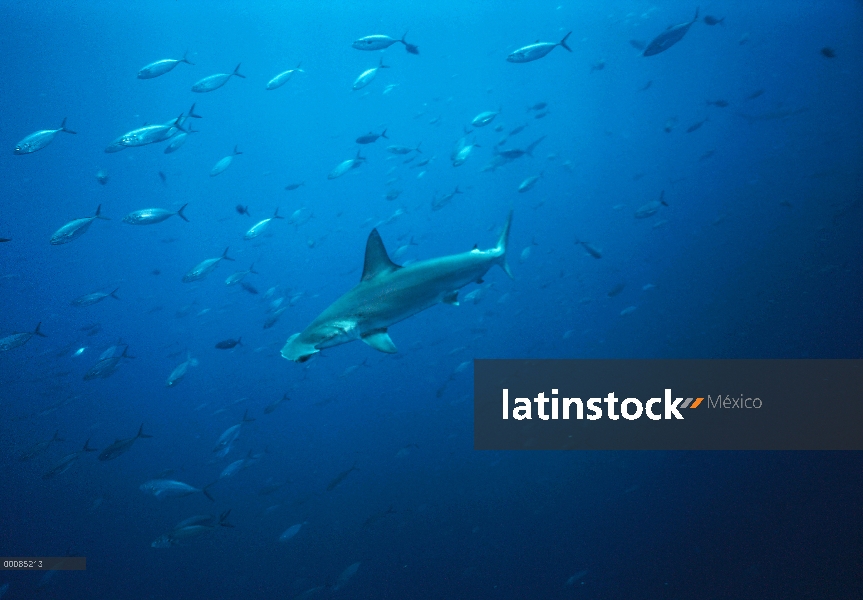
x,y
298,350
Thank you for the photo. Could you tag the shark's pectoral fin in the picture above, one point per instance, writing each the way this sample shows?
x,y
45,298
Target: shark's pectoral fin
x,y
451,298
380,340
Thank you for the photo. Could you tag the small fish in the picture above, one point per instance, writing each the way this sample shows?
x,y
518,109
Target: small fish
x,y
755,94
590,249
273,318
646,86
367,76
711,20
484,118
180,370
91,299
122,446
102,176
67,461
214,82
243,210
107,364
259,227
169,488
345,166
706,155
628,311
205,267
292,186
275,403
19,339
616,290
291,532
597,66
669,37
650,208
395,149
717,103
39,139
536,51
248,287
160,67
528,183
75,229
828,52
224,163
150,216
229,343
696,126
439,203
39,447
283,77
340,477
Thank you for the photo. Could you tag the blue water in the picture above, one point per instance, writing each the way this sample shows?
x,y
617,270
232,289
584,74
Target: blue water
x,y
759,256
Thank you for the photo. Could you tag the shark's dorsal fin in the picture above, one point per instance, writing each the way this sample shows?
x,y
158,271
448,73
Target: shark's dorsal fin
x,y
377,260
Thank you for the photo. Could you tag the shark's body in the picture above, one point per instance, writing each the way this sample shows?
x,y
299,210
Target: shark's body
x,y
388,293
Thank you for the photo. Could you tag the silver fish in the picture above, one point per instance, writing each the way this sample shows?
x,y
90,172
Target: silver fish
x,y
39,139
536,51
214,82
484,118
283,77
149,216
368,75
160,67
19,339
259,227
91,299
223,164
204,268
180,370
669,37
345,166
168,488
651,208
75,229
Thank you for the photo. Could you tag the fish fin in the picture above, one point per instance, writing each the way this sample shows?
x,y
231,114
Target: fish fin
x,y
696,14
124,355
223,519
225,255
237,72
180,213
114,294
141,433
236,151
451,298
206,487
57,437
246,418
276,214
662,199
380,340
252,269
37,332
381,64
87,447
418,148
192,111
188,62
63,127
377,260
98,214
502,243
384,134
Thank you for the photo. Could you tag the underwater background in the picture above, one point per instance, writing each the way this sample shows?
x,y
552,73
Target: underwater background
x,y
756,254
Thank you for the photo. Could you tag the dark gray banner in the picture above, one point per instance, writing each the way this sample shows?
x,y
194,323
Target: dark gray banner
x,y
668,404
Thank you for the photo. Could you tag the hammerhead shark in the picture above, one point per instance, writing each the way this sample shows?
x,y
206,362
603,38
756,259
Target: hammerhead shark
x,y
388,293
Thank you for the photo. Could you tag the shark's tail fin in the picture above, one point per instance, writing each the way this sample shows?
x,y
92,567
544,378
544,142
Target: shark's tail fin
x,y
502,243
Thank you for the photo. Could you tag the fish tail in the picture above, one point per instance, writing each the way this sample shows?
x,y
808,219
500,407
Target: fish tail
x,y
384,134
141,433
502,244
180,212
418,148
246,418
63,127
696,14
87,447
381,64
114,294
125,353
98,214
276,214
37,332
192,112
225,255
186,60
236,151
237,72
662,199
563,41
57,437
207,493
